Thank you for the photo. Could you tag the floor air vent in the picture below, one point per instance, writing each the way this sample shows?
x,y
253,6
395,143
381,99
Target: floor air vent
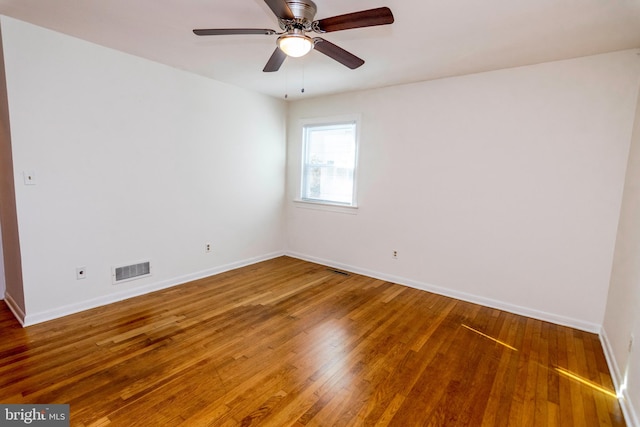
x,y
344,273
131,272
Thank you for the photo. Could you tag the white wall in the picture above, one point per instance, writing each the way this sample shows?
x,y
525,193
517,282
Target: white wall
x,y
622,317
134,161
502,188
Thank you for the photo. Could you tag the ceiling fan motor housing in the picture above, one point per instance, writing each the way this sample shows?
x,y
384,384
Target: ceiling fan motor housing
x,y
302,9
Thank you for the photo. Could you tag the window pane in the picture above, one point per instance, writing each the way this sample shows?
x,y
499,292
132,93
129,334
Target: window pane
x,y
329,163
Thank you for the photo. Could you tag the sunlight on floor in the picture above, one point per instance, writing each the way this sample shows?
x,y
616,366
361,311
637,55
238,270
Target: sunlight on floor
x,y
586,382
490,337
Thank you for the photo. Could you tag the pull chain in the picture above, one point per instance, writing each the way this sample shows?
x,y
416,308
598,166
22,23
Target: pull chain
x,y
286,82
286,79
304,60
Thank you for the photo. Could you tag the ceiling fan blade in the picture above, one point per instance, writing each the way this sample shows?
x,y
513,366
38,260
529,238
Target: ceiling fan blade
x,y
231,31
280,8
336,52
365,18
276,60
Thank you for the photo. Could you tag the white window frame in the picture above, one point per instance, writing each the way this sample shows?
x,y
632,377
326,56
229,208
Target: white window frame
x,y
330,205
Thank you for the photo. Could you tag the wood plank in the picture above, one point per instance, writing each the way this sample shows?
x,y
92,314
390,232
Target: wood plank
x,y
290,343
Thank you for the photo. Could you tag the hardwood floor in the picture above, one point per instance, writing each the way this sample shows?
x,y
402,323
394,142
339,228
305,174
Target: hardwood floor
x,y
291,343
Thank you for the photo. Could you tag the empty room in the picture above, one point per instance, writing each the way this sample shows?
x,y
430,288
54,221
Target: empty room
x,y
320,213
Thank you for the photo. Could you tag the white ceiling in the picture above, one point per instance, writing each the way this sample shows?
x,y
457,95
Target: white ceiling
x,y
430,38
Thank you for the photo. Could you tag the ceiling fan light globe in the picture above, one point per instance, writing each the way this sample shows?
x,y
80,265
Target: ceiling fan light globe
x,y
295,45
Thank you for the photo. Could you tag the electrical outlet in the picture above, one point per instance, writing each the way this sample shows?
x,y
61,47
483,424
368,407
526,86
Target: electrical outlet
x,y
81,273
395,255
29,177
207,247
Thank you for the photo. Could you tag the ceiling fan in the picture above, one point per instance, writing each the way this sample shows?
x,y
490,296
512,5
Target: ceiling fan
x,y
296,19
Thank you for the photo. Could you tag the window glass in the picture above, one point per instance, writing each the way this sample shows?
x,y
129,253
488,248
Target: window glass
x,y
329,163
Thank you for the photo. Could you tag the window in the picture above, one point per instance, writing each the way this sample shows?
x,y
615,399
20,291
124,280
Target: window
x,y
329,153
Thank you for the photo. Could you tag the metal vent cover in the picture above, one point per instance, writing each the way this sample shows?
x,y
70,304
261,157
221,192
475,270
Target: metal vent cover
x,y
131,272
343,273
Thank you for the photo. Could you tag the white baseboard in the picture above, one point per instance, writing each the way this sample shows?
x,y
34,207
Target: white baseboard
x,y
14,307
630,413
43,316
476,299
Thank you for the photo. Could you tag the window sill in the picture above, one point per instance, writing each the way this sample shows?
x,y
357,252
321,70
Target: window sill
x,y
324,206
